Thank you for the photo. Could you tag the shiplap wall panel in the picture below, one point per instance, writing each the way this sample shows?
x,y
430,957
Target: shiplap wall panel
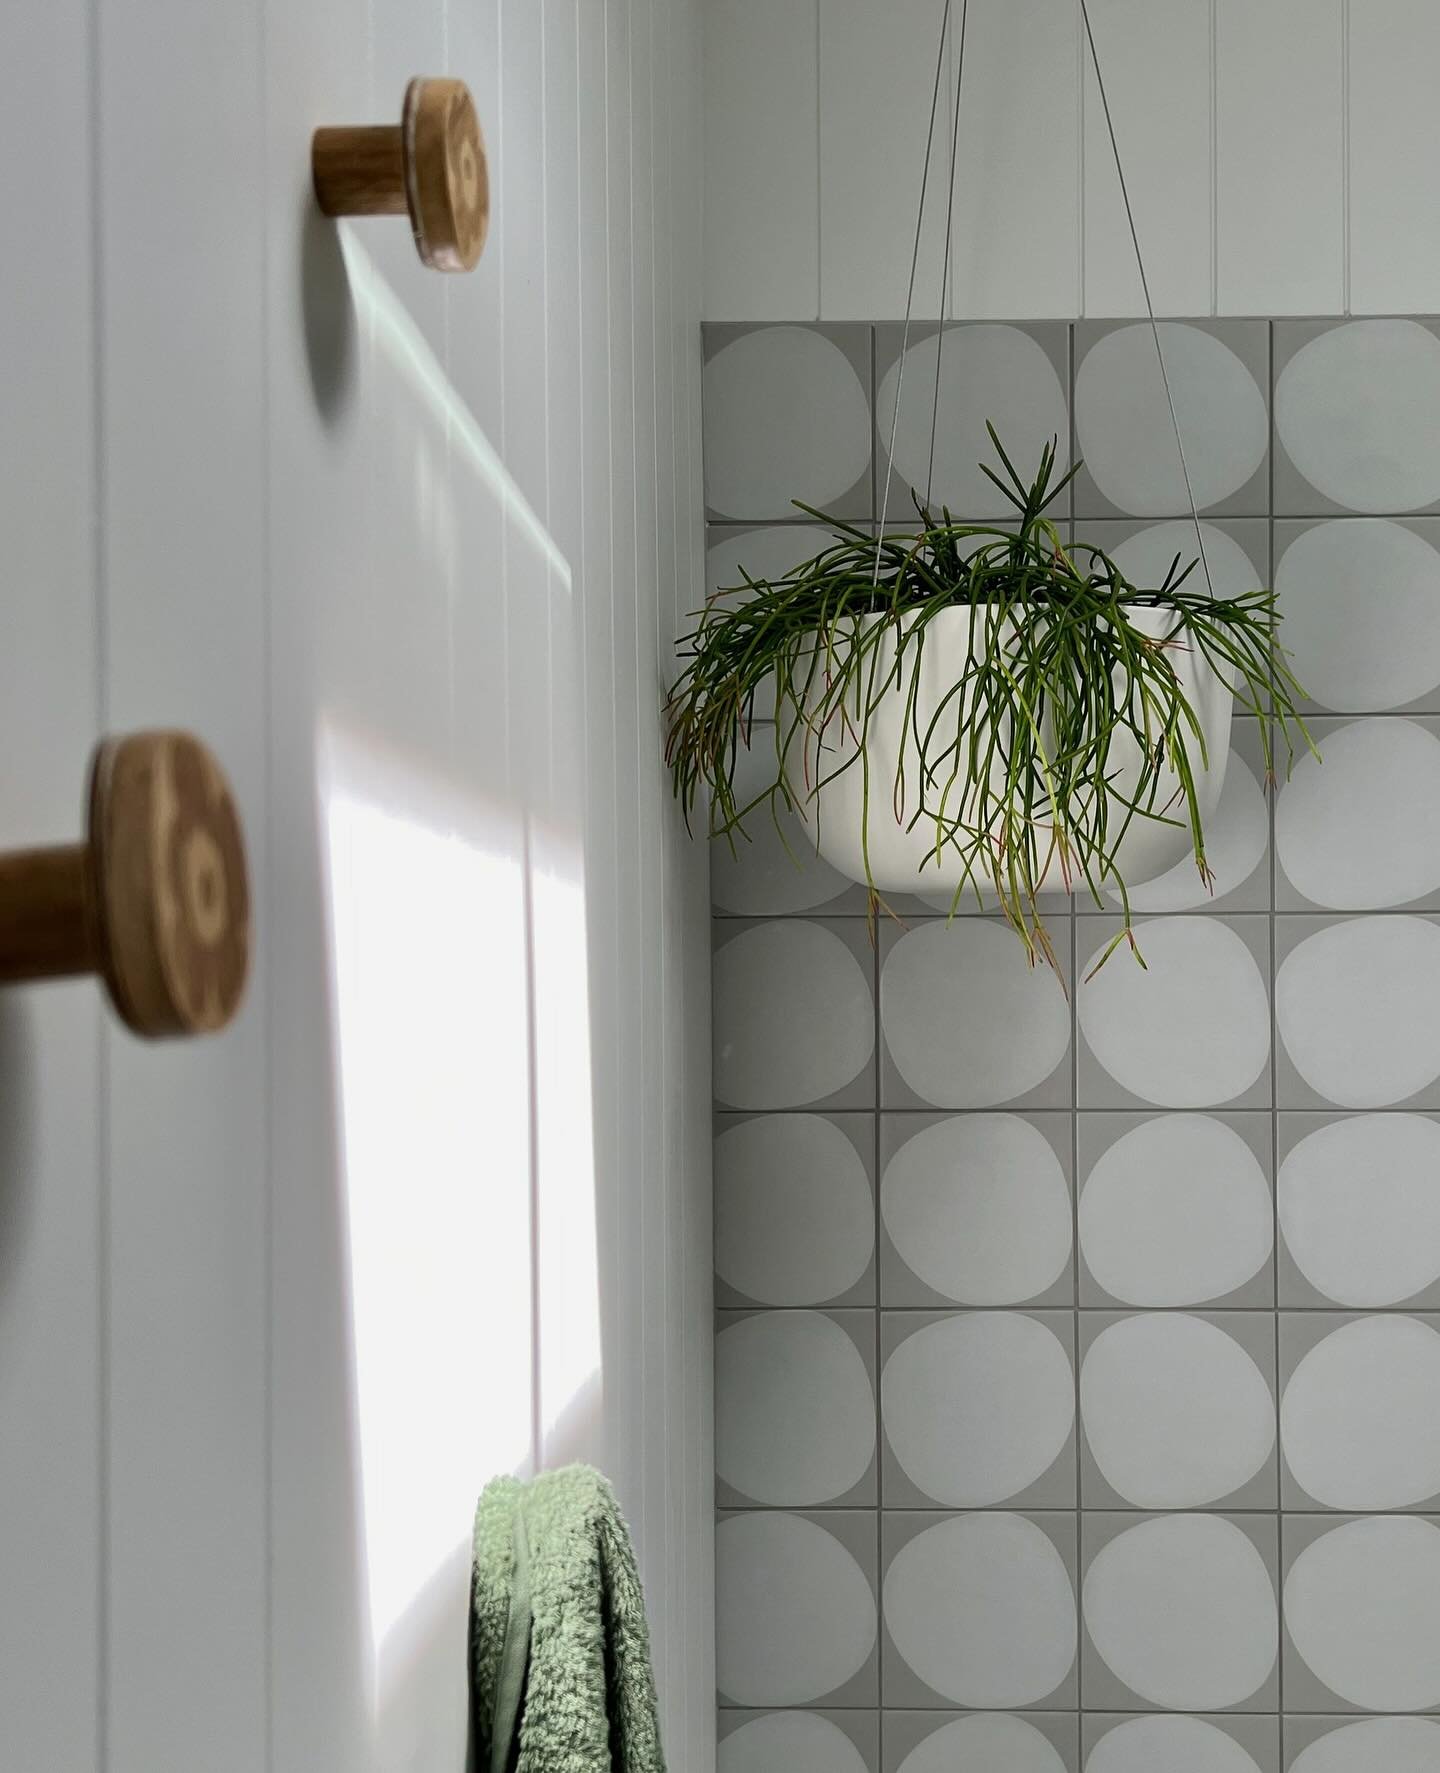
x,y
761,159
51,1179
182,433
1278,152
1394,230
877,80
305,551
1016,245
1280,156
1156,59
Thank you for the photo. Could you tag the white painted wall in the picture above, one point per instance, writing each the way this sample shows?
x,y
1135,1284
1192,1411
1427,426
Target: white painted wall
x,y
273,1304
1278,152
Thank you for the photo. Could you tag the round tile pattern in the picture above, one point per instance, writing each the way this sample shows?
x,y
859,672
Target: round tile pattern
x,y
789,1742
1176,1212
1360,1208
1123,425
1176,1412
1190,1029
1178,1745
1328,573
1374,1745
1362,1605
1360,1416
794,1017
1236,834
978,1209
794,1614
794,1219
1182,1610
986,372
1355,408
1361,832
979,1406
981,1608
772,869
786,417
1147,556
1355,1006
968,1021
984,1743
794,1409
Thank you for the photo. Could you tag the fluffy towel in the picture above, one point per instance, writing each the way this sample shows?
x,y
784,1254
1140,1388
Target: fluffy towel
x,y
559,1647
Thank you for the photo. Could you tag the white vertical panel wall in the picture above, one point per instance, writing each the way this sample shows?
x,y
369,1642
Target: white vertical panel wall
x,y
1277,154
408,551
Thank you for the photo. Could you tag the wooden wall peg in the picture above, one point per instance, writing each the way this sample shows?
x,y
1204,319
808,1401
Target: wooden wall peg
x,y
155,900
431,164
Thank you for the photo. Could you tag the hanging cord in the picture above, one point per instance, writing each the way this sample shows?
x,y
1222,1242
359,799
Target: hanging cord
x,y
945,272
910,295
945,267
1145,287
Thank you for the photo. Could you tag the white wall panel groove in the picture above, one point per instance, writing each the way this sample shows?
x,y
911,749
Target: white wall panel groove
x,y
1277,154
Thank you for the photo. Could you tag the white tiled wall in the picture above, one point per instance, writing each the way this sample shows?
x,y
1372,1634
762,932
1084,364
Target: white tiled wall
x,y
1278,152
1078,1366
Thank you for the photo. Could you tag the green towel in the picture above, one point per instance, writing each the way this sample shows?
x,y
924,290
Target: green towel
x,y
559,1647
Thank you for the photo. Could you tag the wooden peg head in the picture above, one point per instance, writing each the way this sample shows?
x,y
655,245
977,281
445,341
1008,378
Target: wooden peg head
x,y
431,166
170,899
447,177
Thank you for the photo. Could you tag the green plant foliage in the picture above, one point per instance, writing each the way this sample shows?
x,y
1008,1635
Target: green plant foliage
x,y
1018,767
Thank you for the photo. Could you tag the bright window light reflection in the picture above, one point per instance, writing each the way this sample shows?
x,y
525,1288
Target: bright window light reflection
x,y
569,1280
428,908
462,1037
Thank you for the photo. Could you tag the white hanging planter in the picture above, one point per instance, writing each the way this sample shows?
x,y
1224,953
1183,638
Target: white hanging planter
x,y
902,860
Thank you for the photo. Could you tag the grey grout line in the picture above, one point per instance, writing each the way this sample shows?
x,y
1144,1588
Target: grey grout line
x,y
1272,796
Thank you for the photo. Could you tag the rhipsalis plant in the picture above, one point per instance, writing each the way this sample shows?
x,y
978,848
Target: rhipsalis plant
x,y
1067,722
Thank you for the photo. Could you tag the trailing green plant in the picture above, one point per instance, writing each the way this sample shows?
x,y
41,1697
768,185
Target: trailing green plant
x,y
1019,766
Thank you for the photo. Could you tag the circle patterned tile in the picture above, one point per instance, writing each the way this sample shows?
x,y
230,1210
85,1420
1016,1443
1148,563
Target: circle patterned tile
x,y
968,1022
1347,836
984,1744
1190,1029
1176,1745
794,1219
1176,1413
1123,425
1360,1208
979,1406
1330,572
1362,1605
1181,1609
1355,1006
1236,835
763,872
794,1017
786,417
998,373
1355,408
794,1409
794,1614
789,1742
981,1608
1360,1416
1176,1212
1374,1745
979,1210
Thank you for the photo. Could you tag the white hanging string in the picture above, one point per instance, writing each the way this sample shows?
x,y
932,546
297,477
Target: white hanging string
x,y
945,263
1145,287
910,294
945,273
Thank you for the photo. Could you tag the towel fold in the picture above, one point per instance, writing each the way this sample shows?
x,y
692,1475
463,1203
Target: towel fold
x,y
559,1647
